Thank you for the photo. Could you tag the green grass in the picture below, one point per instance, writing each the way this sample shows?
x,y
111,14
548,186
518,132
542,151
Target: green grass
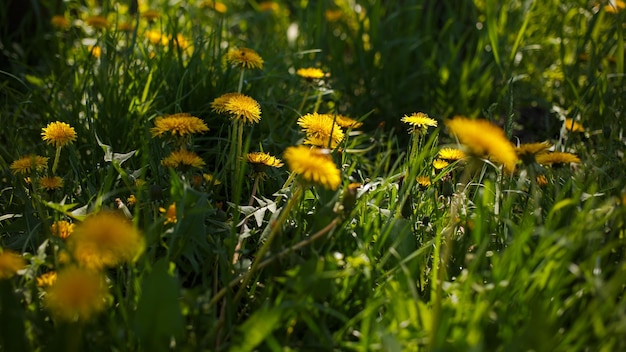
x,y
479,260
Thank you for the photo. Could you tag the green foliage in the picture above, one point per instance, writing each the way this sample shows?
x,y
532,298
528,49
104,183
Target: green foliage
x,y
241,259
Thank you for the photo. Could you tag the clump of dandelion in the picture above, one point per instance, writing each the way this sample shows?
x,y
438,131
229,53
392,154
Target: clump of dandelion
x,y
105,239
484,139
321,130
78,294
557,159
62,229
183,159
10,263
313,166
47,279
58,134
29,163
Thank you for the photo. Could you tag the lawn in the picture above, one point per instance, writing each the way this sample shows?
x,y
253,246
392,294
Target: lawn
x,y
347,175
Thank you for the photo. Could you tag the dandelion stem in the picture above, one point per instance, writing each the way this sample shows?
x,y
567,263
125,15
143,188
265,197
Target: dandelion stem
x,y
306,96
56,159
240,86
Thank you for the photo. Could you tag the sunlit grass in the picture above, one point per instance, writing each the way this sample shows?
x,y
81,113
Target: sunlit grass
x,y
332,175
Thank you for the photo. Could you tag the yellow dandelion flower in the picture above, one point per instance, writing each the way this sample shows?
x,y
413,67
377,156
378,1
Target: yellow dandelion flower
x,y
10,263
419,122
347,122
573,126
217,6
211,180
313,165
333,15
423,181
321,130
541,180
97,22
484,139
62,229
95,51
125,27
243,108
131,200
310,73
259,161
151,15
528,151
50,183
183,158
557,159
451,154
77,294
58,133
439,164
105,239
155,37
47,279
180,41
244,58
269,6
170,214
181,124
26,164
615,6
218,104
60,22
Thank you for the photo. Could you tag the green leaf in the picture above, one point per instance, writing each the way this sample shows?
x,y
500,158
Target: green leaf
x,y
257,328
158,316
